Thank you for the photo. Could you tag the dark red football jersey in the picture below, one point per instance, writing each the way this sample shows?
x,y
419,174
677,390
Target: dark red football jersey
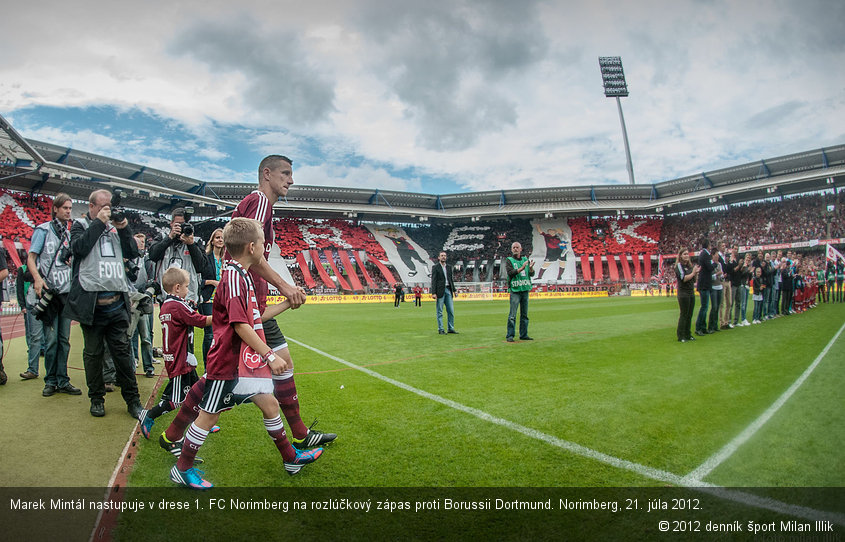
x,y
231,306
178,321
257,206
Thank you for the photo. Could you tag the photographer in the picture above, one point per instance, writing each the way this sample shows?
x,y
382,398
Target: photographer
x,y
49,262
179,249
33,327
139,271
99,298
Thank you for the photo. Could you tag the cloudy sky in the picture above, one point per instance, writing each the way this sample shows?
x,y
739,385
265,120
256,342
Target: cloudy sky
x,y
436,96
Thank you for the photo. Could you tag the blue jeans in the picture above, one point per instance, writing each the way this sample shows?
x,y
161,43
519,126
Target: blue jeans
x,y
769,307
758,310
518,300
34,339
701,320
715,303
57,348
740,303
450,311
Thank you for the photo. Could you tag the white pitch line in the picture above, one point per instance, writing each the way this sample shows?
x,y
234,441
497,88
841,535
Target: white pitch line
x,y
648,472
728,450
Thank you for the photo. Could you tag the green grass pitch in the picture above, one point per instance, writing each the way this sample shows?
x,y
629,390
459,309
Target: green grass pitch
x,y
603,374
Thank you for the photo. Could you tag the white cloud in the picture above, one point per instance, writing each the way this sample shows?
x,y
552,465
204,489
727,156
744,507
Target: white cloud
x,y
481,92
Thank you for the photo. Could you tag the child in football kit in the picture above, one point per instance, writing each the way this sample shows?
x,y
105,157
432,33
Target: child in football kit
x,y
178,321
240,364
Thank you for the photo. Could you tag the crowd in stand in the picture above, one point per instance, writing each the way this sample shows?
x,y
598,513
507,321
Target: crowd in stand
x,y
788,221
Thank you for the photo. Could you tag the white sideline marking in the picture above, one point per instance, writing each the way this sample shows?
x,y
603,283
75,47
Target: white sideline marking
x,y
577,449
728,450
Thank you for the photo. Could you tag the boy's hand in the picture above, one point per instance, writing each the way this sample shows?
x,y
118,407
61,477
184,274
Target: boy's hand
x,y
278,365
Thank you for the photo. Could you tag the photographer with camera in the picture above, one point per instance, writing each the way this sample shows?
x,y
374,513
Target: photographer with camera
x,y
99,297
143,296
49,262
179,249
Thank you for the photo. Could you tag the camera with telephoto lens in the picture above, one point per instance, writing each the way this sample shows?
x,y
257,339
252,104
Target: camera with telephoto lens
x,y
42,309
147,305
118,213
187,227
132,270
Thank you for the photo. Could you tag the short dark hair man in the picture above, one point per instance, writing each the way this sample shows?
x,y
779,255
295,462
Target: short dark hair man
x,y
179,250
519,270
443,288
99,298
49,263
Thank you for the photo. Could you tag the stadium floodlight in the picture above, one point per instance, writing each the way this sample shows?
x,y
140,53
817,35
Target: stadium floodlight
x,y
615,86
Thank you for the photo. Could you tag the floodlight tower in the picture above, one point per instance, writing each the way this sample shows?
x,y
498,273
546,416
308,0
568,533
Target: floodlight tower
x,y
613,77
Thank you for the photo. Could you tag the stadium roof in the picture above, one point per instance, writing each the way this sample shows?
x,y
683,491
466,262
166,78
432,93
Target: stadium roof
x,y
39,167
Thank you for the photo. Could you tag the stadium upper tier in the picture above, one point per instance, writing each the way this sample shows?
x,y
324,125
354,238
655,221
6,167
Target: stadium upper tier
x,y
39,167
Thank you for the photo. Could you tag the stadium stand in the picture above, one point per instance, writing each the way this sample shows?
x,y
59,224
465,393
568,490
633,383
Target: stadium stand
x,y
607,249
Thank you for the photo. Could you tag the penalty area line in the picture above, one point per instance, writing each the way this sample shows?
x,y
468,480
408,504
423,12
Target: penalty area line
x,y
577,449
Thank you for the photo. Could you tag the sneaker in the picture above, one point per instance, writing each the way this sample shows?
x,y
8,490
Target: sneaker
x,y
175,448
69,389
150,374
731,326
48,390
146,423
746,323
98,410
215,429
312,439
28,375
191,478
509,339
109,387
303,457
526,338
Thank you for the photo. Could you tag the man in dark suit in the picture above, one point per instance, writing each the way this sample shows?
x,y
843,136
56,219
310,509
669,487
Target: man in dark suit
x,y
443,288
704,285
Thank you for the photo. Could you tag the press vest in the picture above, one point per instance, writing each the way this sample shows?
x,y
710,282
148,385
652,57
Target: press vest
x,y
177,255
54,272
520,282
102,269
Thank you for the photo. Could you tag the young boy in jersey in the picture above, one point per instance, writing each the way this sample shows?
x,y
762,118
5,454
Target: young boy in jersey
x,y
240,365
178,321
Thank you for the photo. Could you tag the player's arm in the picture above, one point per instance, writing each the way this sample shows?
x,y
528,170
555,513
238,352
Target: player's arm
x,y
274,310
251,338
295,295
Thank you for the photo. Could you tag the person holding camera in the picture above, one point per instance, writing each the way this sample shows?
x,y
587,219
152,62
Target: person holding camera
x,y
179,249
49,262
99,298
143,293
33,328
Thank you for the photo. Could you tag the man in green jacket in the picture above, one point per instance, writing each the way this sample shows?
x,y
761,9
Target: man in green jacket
x,y
520,270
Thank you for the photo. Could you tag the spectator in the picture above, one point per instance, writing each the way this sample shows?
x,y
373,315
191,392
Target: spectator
x,y
211,278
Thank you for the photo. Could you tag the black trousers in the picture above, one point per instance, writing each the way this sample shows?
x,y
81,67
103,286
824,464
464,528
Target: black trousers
x,y
109,328
687,304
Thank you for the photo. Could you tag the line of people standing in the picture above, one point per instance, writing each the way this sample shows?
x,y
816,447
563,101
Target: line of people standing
x,y
725,279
